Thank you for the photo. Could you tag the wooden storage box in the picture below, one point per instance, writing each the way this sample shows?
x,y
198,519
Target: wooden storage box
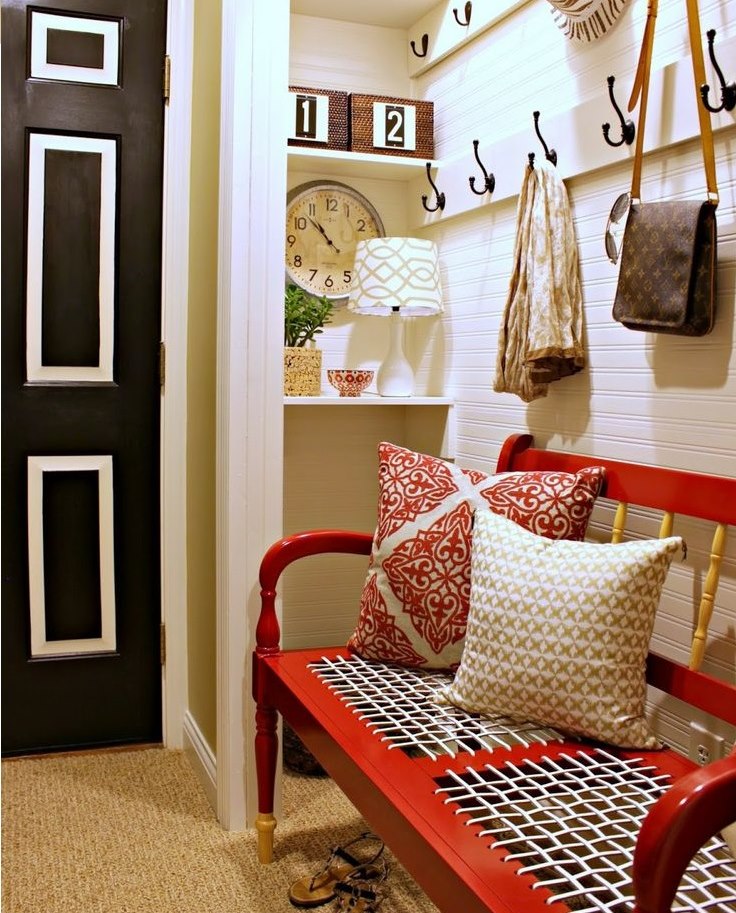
x,y
319,118
391,126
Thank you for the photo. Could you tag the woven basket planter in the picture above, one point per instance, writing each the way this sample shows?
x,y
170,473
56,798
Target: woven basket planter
x,y
302,371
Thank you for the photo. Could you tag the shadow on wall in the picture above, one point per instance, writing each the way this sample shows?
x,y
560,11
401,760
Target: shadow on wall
x,y
675,361
686,366
564,412
429,355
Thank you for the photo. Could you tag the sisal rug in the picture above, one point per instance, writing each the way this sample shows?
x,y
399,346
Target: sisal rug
x,y
132,832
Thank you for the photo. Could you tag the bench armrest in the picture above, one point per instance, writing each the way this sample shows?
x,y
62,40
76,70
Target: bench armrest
x,y
281,555
694,809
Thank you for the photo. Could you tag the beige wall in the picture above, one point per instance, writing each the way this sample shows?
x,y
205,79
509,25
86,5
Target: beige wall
x,y
201,621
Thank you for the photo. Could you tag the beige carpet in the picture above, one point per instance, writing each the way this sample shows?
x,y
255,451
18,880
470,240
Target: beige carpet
x,y
132,832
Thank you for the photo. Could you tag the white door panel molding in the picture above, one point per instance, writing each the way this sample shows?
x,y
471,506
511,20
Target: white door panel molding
x,y
39,467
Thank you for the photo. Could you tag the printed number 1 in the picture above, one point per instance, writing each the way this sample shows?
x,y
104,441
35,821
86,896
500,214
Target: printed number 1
x,y
395,125
306,116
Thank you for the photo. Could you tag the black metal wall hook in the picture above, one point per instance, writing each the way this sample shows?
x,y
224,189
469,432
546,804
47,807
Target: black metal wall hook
x,y
728,92
425,45
628,130
489,179
549,154
440,196
468,13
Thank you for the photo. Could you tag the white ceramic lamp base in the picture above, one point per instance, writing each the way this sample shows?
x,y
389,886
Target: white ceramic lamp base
x,y
395,376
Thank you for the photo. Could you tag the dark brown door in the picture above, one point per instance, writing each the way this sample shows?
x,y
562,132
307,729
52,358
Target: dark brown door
x,y
82,152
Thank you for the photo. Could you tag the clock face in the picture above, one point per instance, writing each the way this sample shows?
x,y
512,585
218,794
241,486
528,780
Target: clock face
x,y
324,222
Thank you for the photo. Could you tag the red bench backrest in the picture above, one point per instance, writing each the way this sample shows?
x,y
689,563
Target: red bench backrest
x,y
671,491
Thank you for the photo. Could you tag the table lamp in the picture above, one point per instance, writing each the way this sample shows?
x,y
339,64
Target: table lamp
x,y
396,278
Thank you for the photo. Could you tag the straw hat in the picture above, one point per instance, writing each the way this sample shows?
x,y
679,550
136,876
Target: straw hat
x,y
586,20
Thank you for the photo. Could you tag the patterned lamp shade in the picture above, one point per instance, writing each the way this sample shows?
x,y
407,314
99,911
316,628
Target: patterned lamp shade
x,y
393,274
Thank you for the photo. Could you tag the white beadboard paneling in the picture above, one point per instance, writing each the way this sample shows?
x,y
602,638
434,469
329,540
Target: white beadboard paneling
x,y
576,136
668,377
492,89
656,399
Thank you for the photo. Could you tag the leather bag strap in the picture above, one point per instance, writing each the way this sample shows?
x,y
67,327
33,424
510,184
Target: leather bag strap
x,y
706,131
640,92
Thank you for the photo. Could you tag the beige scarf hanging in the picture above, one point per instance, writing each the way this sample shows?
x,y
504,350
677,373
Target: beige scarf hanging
x,y
541,332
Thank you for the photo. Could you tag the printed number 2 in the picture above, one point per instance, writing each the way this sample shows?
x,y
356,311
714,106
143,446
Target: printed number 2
x,y
395,125
306,116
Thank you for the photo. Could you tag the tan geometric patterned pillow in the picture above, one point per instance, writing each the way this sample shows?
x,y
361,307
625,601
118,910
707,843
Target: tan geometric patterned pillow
x,y
558,631
414,604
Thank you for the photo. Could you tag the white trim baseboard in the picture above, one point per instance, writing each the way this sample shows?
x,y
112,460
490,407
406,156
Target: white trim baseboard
x,y
201,757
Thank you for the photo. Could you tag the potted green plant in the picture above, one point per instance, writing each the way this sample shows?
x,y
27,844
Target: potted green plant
x,y
304,317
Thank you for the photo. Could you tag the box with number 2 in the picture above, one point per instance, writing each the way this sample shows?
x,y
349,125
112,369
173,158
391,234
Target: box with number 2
x,y
391,126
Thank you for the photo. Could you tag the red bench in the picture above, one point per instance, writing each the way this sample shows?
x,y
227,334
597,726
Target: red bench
x,y
370,725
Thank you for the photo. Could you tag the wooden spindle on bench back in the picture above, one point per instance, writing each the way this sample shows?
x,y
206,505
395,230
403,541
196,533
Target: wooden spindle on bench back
x,y
709,594
679,492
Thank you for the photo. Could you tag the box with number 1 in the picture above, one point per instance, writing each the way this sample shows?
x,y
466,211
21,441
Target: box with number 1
x,y
319,118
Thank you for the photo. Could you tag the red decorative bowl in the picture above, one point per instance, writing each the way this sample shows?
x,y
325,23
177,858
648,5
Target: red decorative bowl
x,y
348,382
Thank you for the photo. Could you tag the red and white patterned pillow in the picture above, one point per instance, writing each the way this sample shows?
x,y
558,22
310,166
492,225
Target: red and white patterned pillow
x,y
414,605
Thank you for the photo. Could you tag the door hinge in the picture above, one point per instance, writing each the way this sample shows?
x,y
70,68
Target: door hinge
x,y
167,79
161,364
162,643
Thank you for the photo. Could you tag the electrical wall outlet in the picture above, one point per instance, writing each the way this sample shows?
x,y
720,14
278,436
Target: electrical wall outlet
x,y
705,746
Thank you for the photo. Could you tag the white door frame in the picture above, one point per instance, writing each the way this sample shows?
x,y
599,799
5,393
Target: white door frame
x,y
174,298
253,135
250,326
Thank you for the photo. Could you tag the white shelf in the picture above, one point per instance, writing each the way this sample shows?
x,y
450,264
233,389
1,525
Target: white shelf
x,y
425,433
356,164
367,399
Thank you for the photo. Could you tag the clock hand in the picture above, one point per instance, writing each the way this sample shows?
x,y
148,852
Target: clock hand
x,y
324,234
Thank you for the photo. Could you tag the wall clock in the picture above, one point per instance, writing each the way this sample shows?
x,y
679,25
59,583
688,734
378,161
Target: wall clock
x,y
324,222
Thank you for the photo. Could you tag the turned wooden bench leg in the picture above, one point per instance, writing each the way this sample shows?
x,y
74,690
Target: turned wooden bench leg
x,y
265,825
267,745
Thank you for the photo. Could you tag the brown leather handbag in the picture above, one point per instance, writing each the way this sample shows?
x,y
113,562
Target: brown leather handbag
x,y
667,282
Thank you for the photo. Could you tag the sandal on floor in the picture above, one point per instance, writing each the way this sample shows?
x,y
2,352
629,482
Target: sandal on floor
x,y
361,891
315,890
